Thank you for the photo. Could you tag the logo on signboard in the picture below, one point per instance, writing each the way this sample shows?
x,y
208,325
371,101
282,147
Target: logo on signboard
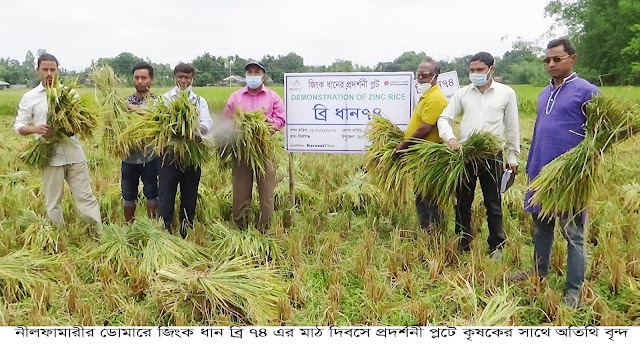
x,y
295,86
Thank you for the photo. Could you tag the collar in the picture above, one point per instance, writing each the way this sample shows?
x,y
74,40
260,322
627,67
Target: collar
x,y
430,91
174,92
246,90
566,80
491,86
40,87
553,96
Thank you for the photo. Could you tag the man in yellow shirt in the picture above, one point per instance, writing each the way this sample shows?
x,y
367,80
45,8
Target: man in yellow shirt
x,y
423,125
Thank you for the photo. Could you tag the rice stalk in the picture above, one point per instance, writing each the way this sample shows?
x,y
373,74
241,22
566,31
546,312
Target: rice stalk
x,y
67,114
22,272
567,184
160,249
237,287
357,194
172,129
114,111
39,235
437,171
118,247
248,139
382,163
251,244
631,197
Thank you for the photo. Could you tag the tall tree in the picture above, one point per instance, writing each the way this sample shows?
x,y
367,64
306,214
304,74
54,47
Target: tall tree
x,y
209,69
602,31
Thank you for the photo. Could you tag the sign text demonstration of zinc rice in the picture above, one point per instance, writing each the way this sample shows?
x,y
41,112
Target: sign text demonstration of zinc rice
x,y
329,112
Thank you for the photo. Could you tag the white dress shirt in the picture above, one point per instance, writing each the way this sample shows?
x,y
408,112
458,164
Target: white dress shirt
x,y
204,116
33,109
495,111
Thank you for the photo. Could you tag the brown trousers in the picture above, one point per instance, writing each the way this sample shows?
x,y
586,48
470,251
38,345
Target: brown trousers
x,y
242,181
77,176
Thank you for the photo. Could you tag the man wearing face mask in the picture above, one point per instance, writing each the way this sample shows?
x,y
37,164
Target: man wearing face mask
x,y
423,126
486,106
255,96
170,174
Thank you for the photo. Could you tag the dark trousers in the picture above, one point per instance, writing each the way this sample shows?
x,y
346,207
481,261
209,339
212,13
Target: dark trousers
x,y
489,173
131,175
170,176
428,213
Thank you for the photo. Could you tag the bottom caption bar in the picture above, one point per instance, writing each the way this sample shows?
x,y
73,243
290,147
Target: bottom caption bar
x,y
168,336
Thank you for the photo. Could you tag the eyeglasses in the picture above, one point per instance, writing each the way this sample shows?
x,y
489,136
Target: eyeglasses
x,y
424,75
555,59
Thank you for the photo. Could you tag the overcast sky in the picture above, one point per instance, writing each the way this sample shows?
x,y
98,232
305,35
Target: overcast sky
x,y
363,31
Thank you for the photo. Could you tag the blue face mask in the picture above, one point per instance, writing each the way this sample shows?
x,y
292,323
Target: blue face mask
x,y
253,82
479,80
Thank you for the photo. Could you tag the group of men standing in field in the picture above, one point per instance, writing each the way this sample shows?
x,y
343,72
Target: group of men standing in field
x,y
160,176
485,105
489,106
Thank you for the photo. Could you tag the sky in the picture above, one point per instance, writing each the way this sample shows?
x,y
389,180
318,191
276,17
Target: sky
x,y
363,31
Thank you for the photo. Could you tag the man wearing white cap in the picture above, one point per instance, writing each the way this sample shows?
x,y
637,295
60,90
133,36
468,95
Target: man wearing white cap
x,y
255,96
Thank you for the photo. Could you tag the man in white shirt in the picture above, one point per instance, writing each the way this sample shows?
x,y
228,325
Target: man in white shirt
x,y
67,162
170,174
488,106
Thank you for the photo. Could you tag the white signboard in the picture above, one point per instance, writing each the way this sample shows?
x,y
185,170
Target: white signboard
x,y
448,82
329,112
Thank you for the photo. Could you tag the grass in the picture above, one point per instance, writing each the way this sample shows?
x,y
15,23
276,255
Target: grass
x,y
347,258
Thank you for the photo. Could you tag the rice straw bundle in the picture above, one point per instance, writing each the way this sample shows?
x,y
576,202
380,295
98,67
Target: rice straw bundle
x,y
358,193
158,248
67,114
251,141
566,184
381,161
437,170
238,287
172,129
115,113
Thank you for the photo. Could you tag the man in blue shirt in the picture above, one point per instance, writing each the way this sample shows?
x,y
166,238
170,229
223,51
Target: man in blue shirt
x,y
559,128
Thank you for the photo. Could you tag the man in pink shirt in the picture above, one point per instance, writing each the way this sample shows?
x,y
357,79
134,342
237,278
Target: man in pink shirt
x,y
253,97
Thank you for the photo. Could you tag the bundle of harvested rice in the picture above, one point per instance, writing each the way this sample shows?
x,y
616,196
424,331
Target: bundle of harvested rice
x,y
566,185
251,244
237,287
67,114
160,248
172,130
383,165
114,110
357,194
38,234
22,272
249,139
437,170
118,247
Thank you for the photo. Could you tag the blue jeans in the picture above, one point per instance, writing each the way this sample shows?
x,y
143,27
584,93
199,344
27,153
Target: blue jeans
x,y
573,232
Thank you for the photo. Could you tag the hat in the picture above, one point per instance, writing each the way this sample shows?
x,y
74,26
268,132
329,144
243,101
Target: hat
x,y
255,63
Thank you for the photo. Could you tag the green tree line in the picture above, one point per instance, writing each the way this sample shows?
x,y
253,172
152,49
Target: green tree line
x,y
606,34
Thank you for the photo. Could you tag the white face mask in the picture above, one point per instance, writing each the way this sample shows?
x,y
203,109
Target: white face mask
x,y
425,87
480,80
